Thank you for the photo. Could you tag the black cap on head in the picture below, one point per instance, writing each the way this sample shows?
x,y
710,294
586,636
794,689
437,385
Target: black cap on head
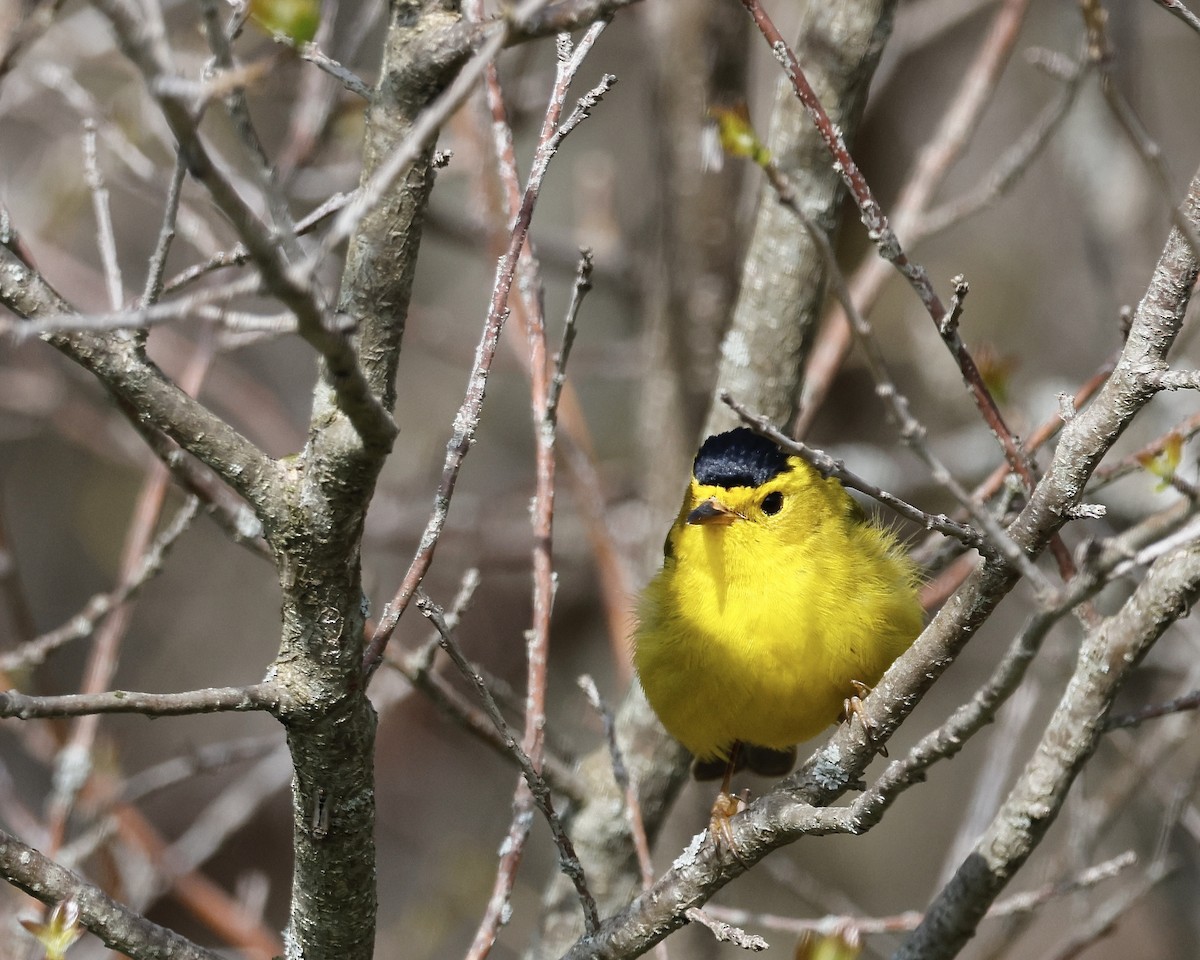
x,y
738,458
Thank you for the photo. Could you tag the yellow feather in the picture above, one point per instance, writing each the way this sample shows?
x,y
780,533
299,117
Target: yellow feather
x,y
759,623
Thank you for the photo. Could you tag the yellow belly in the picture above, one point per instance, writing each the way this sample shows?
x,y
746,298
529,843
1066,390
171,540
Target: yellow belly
x,y
767,656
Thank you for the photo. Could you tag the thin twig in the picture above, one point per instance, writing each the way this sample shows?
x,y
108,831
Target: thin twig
x,y
343,75
107,240
417,668
258,696
1018,903
568,861
827,466
725,932
633,809
583,283
157,264
1189,701
467,419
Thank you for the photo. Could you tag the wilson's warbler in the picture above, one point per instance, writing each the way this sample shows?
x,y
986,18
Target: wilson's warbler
x,y
778,601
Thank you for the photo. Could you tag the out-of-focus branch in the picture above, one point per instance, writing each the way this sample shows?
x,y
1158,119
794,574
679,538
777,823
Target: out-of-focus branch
x,y
783,277
568,861
150,53
35,651
955,129
125,370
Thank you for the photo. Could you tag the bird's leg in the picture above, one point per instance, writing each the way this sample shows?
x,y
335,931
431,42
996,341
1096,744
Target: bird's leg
x,y
852,706
726,806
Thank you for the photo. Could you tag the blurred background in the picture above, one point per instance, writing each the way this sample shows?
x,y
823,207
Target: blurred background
x,y
1051,265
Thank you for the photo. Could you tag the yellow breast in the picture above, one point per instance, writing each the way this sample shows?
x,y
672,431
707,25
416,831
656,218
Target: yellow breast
x,y
757,626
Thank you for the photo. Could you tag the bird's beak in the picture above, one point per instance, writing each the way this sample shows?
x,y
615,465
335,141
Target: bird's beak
x,y
713,511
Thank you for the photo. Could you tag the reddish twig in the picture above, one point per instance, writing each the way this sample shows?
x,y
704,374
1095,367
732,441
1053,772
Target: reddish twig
x,y
544,392
881,233
959,122
467,418
74,763
1189,701
615,579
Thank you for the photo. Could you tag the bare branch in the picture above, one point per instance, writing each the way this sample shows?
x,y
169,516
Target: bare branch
x,y
568,861
107,241
727,933
115,924
467,419
261,697
1106,658
151,55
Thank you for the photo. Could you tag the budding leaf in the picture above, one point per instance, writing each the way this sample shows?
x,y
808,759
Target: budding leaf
x,y
847,946
1164,463
737,136
60,930
297,20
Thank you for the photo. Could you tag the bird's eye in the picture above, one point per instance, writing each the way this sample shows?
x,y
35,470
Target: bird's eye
x,y
772,503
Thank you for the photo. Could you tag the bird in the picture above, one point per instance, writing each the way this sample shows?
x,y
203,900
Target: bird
x,y
778,605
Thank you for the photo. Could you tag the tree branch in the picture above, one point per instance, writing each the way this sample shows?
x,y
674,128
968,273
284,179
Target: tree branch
x,y
1106,658
114,923
212,700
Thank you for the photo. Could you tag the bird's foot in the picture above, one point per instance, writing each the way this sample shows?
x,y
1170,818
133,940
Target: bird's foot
x,y
852,706
724,809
